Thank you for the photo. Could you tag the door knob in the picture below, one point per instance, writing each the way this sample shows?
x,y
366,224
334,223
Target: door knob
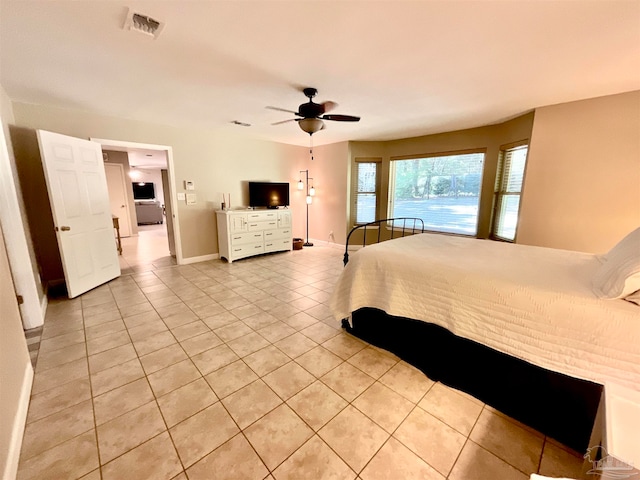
x,y
65,228
121,206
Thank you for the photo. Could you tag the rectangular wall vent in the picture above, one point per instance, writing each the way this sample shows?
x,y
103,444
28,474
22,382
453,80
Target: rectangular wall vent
x,y
143,24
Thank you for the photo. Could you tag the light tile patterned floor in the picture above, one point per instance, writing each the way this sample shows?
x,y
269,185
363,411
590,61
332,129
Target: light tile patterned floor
x,y
219,371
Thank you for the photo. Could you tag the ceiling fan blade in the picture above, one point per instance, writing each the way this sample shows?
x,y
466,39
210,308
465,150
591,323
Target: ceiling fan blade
x,y
341,118
328,106
286,121
283,110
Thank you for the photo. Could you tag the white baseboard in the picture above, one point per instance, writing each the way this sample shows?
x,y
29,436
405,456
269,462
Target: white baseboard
x,y
201,258
19,422
325,243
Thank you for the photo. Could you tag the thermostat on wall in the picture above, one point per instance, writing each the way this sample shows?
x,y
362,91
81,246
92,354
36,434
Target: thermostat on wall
x,y
188,185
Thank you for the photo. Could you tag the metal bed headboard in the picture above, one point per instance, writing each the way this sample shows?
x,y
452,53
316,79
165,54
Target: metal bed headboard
x,y
405,225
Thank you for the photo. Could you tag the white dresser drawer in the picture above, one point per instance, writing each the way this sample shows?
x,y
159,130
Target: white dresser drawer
x,y
277,244
253,225
279,233
262,216
238,251
247,237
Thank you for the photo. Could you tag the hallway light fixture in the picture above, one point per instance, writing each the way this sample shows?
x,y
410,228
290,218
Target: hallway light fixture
x,y
311,191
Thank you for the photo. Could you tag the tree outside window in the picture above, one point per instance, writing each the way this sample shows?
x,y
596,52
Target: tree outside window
x,y
442,190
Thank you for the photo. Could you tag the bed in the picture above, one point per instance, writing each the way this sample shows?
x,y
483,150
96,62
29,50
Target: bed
x,y
523,328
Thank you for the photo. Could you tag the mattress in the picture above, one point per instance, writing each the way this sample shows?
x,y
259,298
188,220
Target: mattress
x,y
532,303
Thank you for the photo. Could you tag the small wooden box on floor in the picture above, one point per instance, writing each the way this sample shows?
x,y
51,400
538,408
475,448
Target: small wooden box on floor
x,y
244,233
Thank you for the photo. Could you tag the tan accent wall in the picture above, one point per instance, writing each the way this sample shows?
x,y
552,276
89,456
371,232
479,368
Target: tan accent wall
x,y
582,184
218,161
489,139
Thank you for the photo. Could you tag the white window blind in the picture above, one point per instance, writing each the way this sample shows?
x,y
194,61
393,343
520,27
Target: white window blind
x,y
508,190
365,187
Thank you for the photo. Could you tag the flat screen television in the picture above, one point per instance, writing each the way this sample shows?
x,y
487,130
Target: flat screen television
x,y
144,191
268,194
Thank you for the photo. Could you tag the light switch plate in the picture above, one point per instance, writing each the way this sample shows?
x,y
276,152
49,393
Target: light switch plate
x,y
181,196
191,198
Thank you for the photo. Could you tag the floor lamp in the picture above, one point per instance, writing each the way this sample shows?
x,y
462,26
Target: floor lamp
x,y
310,194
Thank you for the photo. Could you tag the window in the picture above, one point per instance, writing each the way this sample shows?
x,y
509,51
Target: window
x,y
443,190
366,185
507,192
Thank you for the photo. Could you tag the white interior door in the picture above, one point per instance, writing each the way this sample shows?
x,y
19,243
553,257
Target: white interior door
x,y
118,196
77,188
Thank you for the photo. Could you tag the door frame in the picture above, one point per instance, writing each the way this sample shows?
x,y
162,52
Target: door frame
x,y
106,144
23,271
126,199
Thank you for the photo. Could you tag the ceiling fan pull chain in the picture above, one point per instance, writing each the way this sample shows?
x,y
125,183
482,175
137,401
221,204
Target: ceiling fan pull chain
x,y
311,146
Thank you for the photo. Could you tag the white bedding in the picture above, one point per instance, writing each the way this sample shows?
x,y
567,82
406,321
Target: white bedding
x,y
533,303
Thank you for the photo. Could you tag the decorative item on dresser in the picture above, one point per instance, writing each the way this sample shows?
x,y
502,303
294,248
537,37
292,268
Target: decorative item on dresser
x,y
244,233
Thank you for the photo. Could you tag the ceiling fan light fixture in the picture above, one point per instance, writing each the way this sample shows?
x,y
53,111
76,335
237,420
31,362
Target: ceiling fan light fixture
x,y
311,125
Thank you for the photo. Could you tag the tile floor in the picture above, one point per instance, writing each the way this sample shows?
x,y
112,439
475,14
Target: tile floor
x,y
236,371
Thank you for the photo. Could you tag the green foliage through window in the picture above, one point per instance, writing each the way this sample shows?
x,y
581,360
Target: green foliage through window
x,y
442,190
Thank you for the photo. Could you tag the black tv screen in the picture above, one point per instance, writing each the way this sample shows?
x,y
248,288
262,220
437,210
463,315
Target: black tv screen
x,y
143,191
268,194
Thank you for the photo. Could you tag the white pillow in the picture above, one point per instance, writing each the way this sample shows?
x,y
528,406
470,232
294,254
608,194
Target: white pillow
x,y
619,274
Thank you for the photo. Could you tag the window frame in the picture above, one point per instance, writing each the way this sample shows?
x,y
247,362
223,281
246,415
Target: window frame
x,y
499,192
354,187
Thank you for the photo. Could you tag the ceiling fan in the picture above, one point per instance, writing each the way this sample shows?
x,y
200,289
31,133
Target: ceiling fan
x,y
312,114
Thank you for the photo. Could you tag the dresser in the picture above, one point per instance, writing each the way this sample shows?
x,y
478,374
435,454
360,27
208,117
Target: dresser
x,y
244,233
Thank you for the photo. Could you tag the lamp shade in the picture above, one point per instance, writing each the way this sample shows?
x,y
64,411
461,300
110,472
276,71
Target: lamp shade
x,y
309,200
300,185
311,125
312,192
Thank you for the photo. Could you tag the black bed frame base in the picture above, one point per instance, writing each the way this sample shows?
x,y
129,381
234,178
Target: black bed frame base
x,y
556,405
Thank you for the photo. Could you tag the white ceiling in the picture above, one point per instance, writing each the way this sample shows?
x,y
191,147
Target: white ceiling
x,y
407,68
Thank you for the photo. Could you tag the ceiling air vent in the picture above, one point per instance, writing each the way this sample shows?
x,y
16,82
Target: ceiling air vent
x,y
143,24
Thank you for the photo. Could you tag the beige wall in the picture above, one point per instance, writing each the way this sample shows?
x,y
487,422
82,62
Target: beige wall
x,y
16,372
590,141
582,184
328,212
489,138
217,161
